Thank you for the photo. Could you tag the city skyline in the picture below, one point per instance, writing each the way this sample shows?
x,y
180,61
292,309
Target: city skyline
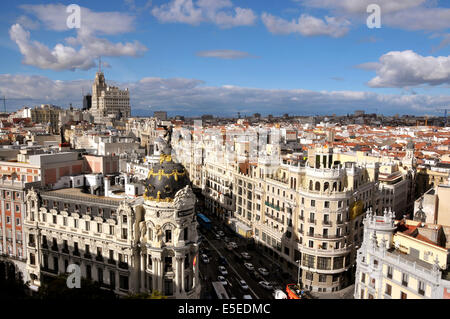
x,y
186,57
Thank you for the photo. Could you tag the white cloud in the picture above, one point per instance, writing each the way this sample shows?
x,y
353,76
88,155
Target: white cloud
x,y
193,97
63,57
405,14
224,54
402,69
360,6
307,25
219,12
54,17
78,52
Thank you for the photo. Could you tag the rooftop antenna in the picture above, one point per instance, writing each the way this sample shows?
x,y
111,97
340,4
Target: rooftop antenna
x,y
99,64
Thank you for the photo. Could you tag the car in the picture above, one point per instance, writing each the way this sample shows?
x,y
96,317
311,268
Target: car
x,y
243,285
246,255
228,247
249,266
222,280
247,297
205,259
221,233
217,236
233,244
266,285
226,239
223,261
263,271
223,270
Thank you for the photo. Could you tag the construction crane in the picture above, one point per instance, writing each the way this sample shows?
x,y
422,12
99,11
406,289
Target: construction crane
x,y
445,115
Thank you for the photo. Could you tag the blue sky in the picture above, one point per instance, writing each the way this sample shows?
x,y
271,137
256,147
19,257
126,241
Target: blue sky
x,y
300,57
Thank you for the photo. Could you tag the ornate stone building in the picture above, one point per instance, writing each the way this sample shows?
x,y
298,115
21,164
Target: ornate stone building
x,y
128,245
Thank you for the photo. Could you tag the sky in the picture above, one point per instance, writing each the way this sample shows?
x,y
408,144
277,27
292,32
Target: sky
x,y
194,57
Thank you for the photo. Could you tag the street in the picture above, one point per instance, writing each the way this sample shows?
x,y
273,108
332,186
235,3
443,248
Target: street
x,y
235,266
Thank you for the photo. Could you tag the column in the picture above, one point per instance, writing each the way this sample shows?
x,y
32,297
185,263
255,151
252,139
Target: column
x,y
183,285
142,271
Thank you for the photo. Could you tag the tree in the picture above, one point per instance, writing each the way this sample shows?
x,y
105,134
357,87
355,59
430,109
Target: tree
x,y
154,295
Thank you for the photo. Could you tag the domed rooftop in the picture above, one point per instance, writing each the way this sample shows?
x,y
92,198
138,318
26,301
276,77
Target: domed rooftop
x,y
166,178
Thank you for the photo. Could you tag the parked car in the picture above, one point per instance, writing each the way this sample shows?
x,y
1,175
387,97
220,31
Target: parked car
x,y
223,270
223,261
205,259
217,236
228,247
246,255
263,271
249,266
247,297
256,276
221,233
233,244
266,285
226,239
243,285
222,280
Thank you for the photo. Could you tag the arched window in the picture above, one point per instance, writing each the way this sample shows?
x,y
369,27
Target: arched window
x,y
317,188
326,186
310,185
334,186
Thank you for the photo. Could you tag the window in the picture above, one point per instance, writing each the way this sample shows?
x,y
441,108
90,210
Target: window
x,y
403,295
388,290
86,223
168,235
88,272
309,275
186,234
18,221
75,223
327,204
123,280
404,279
54,219
389,272
421,288
65,221
111,229
363,277
99,227
124,219
313,203
322,278
167,264
8,220
124,233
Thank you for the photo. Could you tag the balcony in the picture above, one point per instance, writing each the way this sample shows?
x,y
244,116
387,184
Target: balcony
x,y
123,265
326,223
65,250
111,261
99,258
272,206
87,256
55,248
32,244
311,221
76,253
